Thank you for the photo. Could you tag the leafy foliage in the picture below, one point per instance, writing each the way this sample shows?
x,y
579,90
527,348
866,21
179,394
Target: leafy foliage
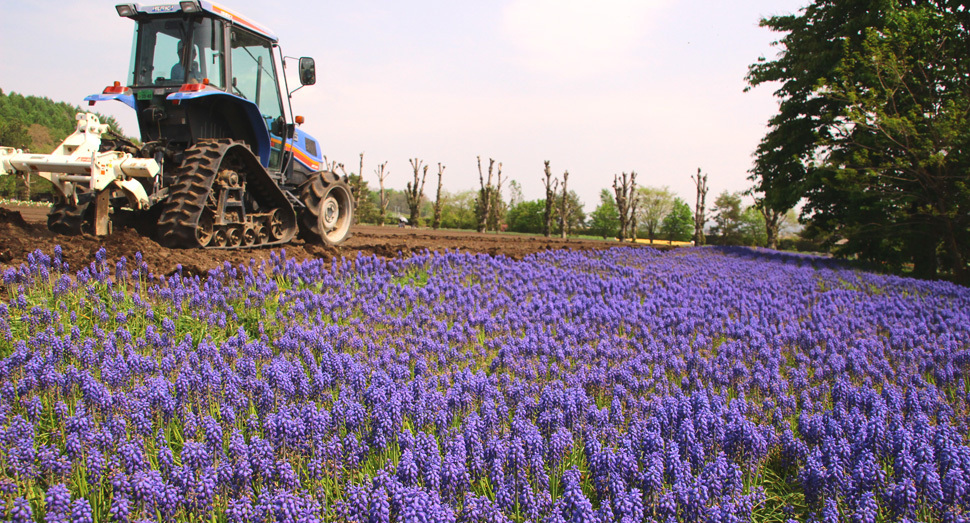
x,y
678,224
458,211
654,204
873,129
605,219
527,216
57,117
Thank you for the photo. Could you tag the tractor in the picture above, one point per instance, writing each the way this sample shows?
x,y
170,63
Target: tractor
x,y
221,162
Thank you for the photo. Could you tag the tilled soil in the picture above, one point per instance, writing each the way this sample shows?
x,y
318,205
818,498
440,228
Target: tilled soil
x,y
23,230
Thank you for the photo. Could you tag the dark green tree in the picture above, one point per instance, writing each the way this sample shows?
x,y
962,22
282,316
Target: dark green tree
x,y
366,210
678,225
13,133
527,216
605,219
873,129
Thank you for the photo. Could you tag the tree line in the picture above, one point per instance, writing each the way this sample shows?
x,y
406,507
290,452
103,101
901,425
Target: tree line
x,y
627,212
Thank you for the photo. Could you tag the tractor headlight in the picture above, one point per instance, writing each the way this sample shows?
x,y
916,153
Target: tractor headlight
x,y
126,10
189,6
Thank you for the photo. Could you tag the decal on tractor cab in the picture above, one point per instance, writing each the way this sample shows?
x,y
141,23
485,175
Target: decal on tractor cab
x,y
163,8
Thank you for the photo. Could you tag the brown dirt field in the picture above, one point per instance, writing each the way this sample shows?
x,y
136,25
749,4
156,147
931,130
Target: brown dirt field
x,y
23,230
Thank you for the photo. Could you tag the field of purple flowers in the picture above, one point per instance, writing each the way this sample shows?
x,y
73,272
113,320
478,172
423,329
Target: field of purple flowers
x,y
622,385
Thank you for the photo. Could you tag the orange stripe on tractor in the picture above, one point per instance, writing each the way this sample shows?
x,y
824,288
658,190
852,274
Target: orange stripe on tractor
x,y
300,155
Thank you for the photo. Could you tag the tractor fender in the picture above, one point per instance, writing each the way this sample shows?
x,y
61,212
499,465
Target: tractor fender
x,y
128,99
256,121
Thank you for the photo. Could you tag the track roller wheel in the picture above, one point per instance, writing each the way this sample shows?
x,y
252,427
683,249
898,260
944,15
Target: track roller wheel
x,y
220,238
205,229
278,225
329,208
249,237
234,236
262,234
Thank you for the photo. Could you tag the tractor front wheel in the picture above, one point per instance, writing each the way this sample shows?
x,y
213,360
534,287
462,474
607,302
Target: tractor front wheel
x,y
329,209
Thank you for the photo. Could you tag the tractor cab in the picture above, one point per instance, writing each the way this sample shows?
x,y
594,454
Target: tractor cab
x,y
220,164
200,71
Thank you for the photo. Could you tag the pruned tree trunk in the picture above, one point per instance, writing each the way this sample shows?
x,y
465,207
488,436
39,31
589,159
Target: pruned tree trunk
x,y
634,202
436,222
485,194
415,191
551,187
359,187
699,213
496,205
331,166
624,190
382,172
564,208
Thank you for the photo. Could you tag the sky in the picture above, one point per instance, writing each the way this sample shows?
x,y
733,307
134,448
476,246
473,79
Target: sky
x,y
597,87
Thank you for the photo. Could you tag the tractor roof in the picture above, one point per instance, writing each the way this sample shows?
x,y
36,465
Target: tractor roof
x,y
195,6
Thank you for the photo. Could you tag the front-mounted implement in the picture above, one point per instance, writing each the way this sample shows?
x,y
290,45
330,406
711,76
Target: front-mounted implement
x,y
221,162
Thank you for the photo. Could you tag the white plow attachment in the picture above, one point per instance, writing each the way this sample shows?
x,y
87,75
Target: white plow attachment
x,y
77,163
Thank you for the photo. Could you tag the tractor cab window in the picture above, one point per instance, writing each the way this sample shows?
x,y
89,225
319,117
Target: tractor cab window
x,y
172,52
254,78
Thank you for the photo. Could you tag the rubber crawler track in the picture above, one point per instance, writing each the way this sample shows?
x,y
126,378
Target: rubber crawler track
x,y
178,223
68,219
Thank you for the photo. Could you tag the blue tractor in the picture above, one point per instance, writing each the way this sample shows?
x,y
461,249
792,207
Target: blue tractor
x,y
221,163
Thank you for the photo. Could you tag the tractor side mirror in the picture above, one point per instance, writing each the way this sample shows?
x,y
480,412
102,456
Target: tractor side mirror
x,y
308,72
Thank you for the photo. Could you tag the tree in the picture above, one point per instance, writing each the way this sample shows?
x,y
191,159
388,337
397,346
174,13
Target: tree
x,y
605,219
678,225
551,185
564,208
626,202
527,217
700,212
873,129
727,218
357,183
575,217
774,219
489,196
654,205
14,134
364,210
458,211
515,194
382,172
415,191
752,227
436,221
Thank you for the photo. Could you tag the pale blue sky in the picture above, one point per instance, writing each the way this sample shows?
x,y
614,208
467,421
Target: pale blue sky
x,y
597,87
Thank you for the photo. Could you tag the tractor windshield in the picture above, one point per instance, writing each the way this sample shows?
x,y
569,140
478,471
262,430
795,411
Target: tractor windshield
x,y
174,51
